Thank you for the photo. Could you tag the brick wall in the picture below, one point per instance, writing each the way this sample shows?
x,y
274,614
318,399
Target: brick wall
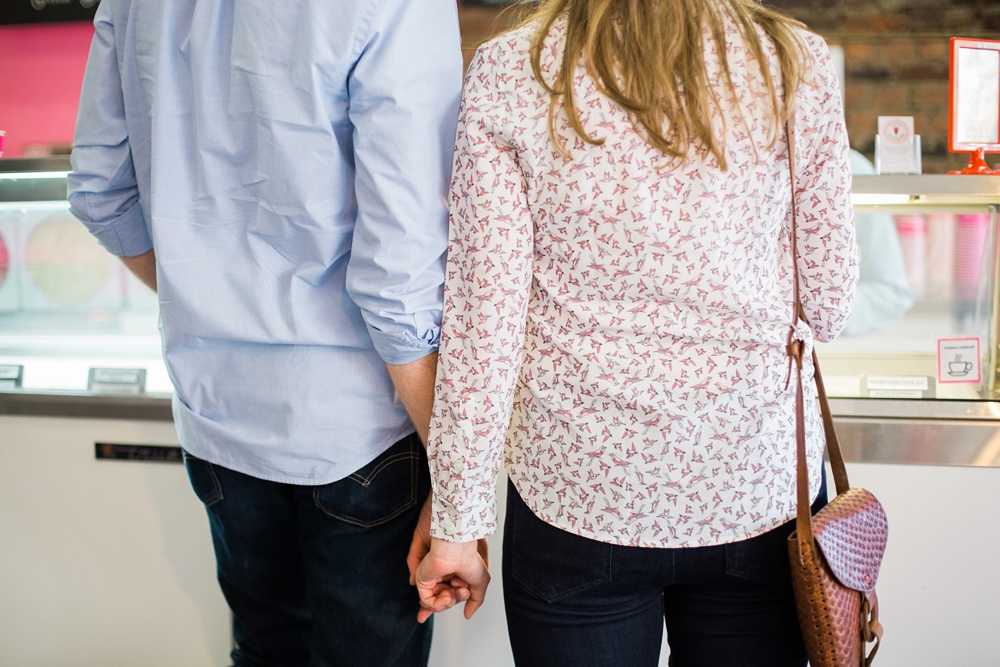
x,y
479,23
896,55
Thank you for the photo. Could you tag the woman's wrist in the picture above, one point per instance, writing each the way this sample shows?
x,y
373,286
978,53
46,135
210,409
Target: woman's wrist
x,y
453,551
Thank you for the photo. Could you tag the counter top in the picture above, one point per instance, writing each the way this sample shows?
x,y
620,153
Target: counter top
x,y
881,408
150,407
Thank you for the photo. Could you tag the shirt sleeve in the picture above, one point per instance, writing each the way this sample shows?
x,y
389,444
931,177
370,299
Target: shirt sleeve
x,y
103,191
486,298
883,292
828,253
404,95
883,296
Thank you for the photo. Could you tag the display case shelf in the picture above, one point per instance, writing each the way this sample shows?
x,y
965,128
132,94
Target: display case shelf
x,y
68,310
923,194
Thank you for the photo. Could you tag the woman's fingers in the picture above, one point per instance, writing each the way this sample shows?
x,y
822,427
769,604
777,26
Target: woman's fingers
x,y
477,595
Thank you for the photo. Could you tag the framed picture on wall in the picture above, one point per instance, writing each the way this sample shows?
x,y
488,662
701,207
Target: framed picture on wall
x,y
974,114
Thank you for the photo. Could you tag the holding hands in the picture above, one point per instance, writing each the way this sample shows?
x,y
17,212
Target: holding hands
x,y
446,573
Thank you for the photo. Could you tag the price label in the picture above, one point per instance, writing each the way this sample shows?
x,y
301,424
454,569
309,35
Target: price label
x,y
900,386
128,381
11,376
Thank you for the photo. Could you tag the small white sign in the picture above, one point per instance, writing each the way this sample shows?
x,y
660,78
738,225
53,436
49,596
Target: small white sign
x,y
116,381
895,393
958,360
898,382
897,147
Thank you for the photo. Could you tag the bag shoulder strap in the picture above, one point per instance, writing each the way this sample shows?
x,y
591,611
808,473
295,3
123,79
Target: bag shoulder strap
x,y
795,348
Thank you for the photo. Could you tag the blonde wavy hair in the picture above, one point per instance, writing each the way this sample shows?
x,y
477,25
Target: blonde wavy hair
x,y
649,57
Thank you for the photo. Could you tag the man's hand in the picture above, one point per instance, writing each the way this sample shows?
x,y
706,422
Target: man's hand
x,y
144,268
421,543
450,573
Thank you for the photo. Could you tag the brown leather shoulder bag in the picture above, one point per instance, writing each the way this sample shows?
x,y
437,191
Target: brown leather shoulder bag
x,y
836,555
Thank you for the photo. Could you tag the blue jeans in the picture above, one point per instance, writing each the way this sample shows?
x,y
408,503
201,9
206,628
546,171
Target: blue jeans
x,y
575,602
316,575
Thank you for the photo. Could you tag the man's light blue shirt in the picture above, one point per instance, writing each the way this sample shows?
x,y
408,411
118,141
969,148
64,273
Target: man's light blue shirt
x,y
289,163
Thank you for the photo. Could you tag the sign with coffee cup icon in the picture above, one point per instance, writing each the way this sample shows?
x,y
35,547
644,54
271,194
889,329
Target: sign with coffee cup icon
x,y
958,360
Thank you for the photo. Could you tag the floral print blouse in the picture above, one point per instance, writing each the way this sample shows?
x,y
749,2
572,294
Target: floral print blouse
x,y
615,330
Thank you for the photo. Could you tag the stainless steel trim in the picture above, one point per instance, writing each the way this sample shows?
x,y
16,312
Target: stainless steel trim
x,y
33,190
33,179
54,163
929,185
920,442
81,404
916,409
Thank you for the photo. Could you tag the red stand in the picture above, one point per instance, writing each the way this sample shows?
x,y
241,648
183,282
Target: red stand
x,y
977,165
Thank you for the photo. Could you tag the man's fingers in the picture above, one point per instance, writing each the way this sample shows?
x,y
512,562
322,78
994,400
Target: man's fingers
x,y
440,602
417,552
483,547
421,542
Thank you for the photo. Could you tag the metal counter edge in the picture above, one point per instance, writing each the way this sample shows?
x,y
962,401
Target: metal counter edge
x,y
150,407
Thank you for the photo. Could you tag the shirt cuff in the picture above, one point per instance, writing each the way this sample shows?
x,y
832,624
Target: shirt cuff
x,y
402,347
450,524
124,236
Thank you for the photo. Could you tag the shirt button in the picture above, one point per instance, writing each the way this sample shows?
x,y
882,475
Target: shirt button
x,y
458,466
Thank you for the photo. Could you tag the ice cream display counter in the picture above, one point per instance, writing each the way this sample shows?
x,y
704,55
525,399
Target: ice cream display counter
x,y
917,408
922,345
106,556
78,333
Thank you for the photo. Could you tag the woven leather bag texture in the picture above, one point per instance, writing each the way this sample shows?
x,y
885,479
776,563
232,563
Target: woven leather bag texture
x,y
851,533
836,555
834,579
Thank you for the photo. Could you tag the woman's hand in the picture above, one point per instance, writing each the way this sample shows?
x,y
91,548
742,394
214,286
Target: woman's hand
x,y
451,572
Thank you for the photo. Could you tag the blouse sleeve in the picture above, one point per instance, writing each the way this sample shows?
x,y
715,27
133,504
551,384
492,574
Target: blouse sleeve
x,y
487,284
827,247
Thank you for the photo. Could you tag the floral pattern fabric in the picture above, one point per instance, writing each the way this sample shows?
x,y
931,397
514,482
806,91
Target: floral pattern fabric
x,y
618,327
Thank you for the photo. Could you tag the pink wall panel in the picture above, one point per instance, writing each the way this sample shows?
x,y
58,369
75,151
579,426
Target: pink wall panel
x,y
41,72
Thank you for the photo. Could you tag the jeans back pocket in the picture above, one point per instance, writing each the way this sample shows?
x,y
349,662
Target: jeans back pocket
x,y
378,492
550,562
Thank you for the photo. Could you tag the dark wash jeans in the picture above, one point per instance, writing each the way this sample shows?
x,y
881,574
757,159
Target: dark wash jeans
x,y
576,602
316,575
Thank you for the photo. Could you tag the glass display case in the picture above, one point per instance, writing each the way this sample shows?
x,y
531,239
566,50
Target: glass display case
x,y
78,333
914,376
944,253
